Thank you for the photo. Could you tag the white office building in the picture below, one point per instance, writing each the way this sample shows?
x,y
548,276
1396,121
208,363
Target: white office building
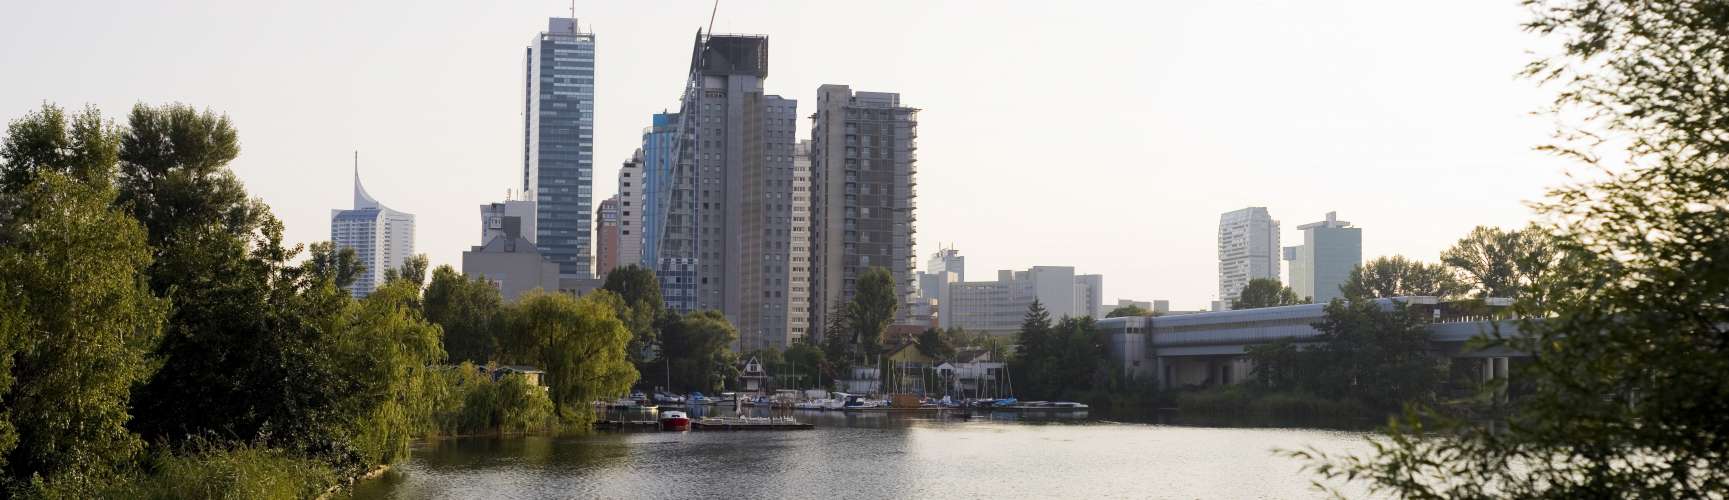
x,y
997,307
1331,249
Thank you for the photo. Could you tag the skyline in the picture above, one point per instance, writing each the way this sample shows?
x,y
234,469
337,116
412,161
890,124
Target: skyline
x,y
1143,170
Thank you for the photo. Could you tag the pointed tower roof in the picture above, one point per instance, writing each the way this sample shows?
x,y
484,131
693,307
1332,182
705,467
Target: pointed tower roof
x,y
362,200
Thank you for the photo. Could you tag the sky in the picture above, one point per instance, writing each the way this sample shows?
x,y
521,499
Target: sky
x,y
1107,136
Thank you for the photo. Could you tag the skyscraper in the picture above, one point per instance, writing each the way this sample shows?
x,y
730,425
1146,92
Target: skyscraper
x,y
945,266
382,238
606,237
863,164
725,218
798,317
558,142
1331,249
1248,249
630,186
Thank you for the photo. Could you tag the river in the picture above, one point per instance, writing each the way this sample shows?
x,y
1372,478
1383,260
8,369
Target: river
x,y
875,456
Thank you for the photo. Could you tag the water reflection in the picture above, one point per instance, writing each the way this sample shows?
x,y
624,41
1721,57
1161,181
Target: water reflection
x,y
872,455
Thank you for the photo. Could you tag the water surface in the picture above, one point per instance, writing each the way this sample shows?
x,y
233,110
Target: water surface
x,y
874,456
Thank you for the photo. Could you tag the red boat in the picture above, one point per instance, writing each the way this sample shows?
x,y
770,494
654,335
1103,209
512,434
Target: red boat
x,y
674,421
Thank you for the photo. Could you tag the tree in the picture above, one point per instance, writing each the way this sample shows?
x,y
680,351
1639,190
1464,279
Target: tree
x,y
641,303
1130,311
697,348
1397,276
1266,292
76,328
872,309
837,344
469,310
85,150
932,343
579,342
339,265
1499,263
807,359
413,270
1060,361
386,352
1629,368
1035,330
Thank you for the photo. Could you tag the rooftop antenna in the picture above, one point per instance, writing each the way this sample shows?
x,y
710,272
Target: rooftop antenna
x,y
573,28
711,14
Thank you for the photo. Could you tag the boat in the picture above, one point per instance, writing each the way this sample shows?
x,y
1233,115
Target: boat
x,y
674,421
697,399
1046,406
668,399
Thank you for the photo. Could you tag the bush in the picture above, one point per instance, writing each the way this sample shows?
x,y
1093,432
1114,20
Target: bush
x,y
204,471
471,402
1241,401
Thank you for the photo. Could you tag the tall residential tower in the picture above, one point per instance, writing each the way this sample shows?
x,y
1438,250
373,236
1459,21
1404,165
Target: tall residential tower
x,y
382,238
1248,249
558,143
864,157
724,228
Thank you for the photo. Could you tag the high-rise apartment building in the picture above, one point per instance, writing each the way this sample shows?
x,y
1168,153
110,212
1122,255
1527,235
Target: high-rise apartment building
x,y
864,161
798,316
1248,249
382,238
630,186
946,266
606,237
724,234
658,162
1089,295
558,142
1331,249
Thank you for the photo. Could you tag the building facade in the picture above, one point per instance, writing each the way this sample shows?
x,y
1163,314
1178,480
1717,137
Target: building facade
x,y
1248,249
630,199
511,263
864,165
1331,249
798,309
492,219
1089,295
558,143
997,307
382,238
724,241
606,237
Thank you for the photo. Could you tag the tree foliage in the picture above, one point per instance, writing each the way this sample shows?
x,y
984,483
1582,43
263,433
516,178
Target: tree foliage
x,y
580,343
640,308
1266,292
934,344
872,309
385,354
1397,276
77,324
1130,311
1501,263
1368,352
339,265
412,270
1629,365
469,310
696,349
1060,361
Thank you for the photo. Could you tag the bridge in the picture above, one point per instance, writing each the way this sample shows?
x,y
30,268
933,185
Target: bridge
x,y
1205,349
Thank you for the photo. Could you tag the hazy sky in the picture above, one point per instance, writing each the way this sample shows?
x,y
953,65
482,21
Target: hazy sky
x,y
1104,135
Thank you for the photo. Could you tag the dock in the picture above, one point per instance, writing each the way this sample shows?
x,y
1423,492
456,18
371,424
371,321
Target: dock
x,y
748,424
634,425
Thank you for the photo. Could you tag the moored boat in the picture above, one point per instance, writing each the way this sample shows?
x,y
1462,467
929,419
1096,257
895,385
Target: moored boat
x,y
674,421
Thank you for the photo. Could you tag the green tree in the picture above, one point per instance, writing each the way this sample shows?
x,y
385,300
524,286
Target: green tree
x,y
413,270
1397,276
76,328
872,310
809,360
698,348
642,307
1500,263
386,353
469,310
837,343
86,149
1266,292
932,343
340,265
1129,311
1629,368
579,342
